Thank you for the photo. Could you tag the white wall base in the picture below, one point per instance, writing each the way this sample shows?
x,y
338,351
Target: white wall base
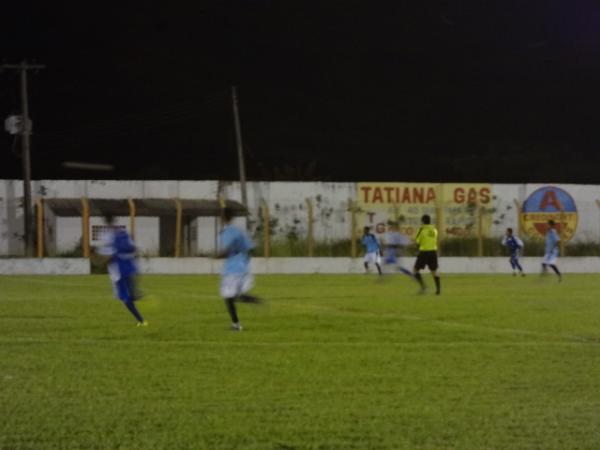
x,y
44,266
81,266
349,265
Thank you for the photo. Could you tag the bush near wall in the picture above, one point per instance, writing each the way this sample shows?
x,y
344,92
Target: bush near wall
x,y
448,247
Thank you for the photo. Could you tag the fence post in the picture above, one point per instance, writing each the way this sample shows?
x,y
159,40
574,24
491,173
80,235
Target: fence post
x,y
439,214
353,231
480,231
311,241
131,217
85,227
598,203
561,233
519,218
39,205
266,229
178,227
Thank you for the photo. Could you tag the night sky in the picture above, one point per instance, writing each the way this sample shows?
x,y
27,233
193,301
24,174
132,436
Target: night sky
x,y
500,91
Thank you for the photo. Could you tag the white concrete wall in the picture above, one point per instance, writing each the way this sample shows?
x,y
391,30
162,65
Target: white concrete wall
x,y
498,265
448,265
44,266
286,201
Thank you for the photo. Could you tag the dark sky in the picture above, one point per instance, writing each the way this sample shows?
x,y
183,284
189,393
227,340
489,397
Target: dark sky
x,y
503,91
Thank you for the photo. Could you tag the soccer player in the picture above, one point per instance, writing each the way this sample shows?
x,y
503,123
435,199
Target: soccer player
x,y
515,247
392,246
120,250
427,257
551,251
371,250
236,280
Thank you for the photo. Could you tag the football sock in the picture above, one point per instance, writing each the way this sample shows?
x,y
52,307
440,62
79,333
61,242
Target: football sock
x,y
406,272
519,267
230,304
249,299
378,268
437,284
366,267
133,310
556,271
420,280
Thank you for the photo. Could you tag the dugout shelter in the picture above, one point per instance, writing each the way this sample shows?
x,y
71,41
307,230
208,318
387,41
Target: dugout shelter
x,y
175,216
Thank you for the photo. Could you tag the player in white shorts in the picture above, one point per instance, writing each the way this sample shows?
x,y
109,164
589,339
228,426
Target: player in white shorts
x,y
372,250
236,279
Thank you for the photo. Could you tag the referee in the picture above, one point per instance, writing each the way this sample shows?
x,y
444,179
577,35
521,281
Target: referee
x,y
427,241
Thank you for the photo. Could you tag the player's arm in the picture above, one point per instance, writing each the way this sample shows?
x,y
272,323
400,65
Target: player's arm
x,y
418,237
224,243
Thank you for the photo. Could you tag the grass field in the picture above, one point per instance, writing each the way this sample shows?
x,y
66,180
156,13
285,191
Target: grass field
x,y
329,362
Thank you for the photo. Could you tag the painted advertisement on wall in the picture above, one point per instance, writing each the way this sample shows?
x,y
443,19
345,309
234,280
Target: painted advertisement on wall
x,y
549,203
458,206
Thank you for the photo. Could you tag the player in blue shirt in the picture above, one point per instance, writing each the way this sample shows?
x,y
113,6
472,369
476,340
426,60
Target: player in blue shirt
x,y
392,248
551,250
120,250
515,247
236,279
372,249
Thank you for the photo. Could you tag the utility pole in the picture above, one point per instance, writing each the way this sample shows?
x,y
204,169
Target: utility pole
x,y
240,149
25,153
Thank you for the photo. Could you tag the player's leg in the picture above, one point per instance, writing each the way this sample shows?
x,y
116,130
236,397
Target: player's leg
x,y
124,288
554,267
433,266
405,271
518,266
419,265
229,292
513,266
378,264
247,285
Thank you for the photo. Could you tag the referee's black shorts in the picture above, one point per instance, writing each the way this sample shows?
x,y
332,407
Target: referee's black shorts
x,y
427,259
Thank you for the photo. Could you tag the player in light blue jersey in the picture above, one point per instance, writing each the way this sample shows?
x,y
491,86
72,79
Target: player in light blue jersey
x,y
236,279
120,251
551,250
392,249
372,249
515,247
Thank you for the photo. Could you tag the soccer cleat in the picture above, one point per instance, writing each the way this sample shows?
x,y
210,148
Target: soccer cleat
x,y
522,274
142,324
236,327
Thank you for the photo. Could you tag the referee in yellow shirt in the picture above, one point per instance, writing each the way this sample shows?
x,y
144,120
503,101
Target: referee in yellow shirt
x,y
426,239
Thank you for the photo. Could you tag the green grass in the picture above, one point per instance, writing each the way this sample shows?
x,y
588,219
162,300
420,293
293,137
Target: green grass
x,y
330,362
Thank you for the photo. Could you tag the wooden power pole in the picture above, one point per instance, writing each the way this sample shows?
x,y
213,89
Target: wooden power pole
x,y
26,151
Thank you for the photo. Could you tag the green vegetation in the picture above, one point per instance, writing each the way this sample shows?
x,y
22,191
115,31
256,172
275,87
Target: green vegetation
x,y
329,362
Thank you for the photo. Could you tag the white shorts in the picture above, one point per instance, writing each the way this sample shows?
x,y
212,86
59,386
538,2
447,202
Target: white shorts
x,y
372,257
550,258
236,284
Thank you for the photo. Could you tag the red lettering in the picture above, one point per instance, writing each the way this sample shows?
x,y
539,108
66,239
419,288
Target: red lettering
x,y
472,196
370,214
459,195
430,195
366,190
484,195
550,199
406,196
418,195
397,199
389,190
377,195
